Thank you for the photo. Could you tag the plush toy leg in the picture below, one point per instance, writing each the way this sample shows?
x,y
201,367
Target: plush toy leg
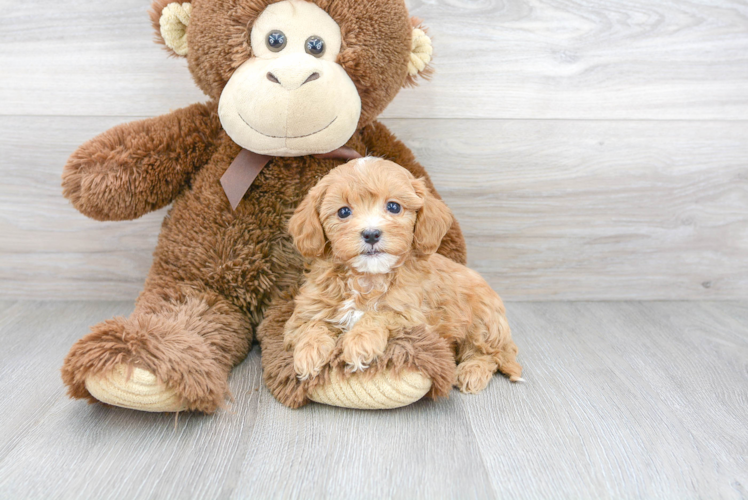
x,y
416,363
379,392
134,388
169,355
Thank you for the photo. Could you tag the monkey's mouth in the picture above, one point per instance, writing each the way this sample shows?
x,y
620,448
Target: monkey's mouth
x,y
286,136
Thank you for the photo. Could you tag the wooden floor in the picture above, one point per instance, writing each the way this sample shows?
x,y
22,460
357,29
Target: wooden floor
x,y
622,400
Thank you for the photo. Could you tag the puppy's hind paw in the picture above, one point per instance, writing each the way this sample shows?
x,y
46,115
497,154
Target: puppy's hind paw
x,y
473,376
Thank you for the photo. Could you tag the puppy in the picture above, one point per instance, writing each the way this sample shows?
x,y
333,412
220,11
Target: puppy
x,y
372,231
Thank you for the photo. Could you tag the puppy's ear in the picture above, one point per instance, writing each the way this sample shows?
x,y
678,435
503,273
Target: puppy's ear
x,y
305,226
432,222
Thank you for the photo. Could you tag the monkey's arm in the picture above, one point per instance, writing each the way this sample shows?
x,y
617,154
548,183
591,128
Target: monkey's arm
x,y
381,142
138,167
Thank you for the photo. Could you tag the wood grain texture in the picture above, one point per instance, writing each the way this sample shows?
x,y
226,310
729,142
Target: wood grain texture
x,y
550,209
102,452
622,400
545,128
634,386
48,249
595,210
594,59
36,336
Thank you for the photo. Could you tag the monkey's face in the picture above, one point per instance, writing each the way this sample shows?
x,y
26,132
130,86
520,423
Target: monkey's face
x,y
291,98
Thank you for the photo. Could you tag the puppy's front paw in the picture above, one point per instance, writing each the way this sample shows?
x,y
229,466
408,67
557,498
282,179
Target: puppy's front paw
x,y
473,376
360,349
310,357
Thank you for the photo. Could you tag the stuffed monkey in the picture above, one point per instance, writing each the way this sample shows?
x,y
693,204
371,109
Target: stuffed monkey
x,y
294,90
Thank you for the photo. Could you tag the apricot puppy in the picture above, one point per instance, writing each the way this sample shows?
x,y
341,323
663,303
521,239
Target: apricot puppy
x,y
372,230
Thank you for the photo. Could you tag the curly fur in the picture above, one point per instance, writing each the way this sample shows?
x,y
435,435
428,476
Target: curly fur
x,y
362,304
418,349
217,271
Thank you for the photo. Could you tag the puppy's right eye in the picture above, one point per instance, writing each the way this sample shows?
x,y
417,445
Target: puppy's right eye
x,y
344,213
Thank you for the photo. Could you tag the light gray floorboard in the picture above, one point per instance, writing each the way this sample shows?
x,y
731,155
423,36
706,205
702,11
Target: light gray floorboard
x,y
52,447
35,337
622,400
426,450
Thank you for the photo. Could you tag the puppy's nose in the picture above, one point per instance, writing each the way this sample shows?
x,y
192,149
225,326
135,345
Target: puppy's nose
x,y
371,236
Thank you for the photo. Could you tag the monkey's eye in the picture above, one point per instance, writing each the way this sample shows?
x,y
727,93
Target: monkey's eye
x,y
315,46
276,40
393,208
344,213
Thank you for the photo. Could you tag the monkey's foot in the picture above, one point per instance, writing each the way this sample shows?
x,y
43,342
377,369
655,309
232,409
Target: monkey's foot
x,y
380,392
138,390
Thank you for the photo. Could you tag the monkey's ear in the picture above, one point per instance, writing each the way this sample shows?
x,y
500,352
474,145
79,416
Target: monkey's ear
x,y
305,226
170,20
421,52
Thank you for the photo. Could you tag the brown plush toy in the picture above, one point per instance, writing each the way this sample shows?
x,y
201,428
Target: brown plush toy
x,y
295,87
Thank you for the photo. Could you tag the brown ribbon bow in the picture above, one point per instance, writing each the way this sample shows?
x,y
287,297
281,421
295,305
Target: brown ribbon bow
x,y
247,166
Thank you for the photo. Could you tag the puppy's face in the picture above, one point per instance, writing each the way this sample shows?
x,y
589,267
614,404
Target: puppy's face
x,y
369,214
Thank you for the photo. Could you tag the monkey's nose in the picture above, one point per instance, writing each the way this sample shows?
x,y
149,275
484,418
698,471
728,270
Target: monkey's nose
x,y
371,236
274,79
311,78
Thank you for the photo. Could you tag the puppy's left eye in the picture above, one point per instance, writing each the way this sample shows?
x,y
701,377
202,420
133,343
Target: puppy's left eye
x,y
393,208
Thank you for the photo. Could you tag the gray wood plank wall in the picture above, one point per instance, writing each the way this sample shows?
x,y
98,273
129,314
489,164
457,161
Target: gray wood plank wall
x,y
591,149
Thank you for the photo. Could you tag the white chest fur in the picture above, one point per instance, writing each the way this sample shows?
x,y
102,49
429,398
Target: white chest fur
x,y
347,315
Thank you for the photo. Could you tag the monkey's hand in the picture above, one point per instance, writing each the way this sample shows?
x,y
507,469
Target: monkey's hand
x,y
138,167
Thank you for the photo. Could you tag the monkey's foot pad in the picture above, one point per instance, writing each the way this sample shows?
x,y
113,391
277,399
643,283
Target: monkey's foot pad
x,y
379,392
140,391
